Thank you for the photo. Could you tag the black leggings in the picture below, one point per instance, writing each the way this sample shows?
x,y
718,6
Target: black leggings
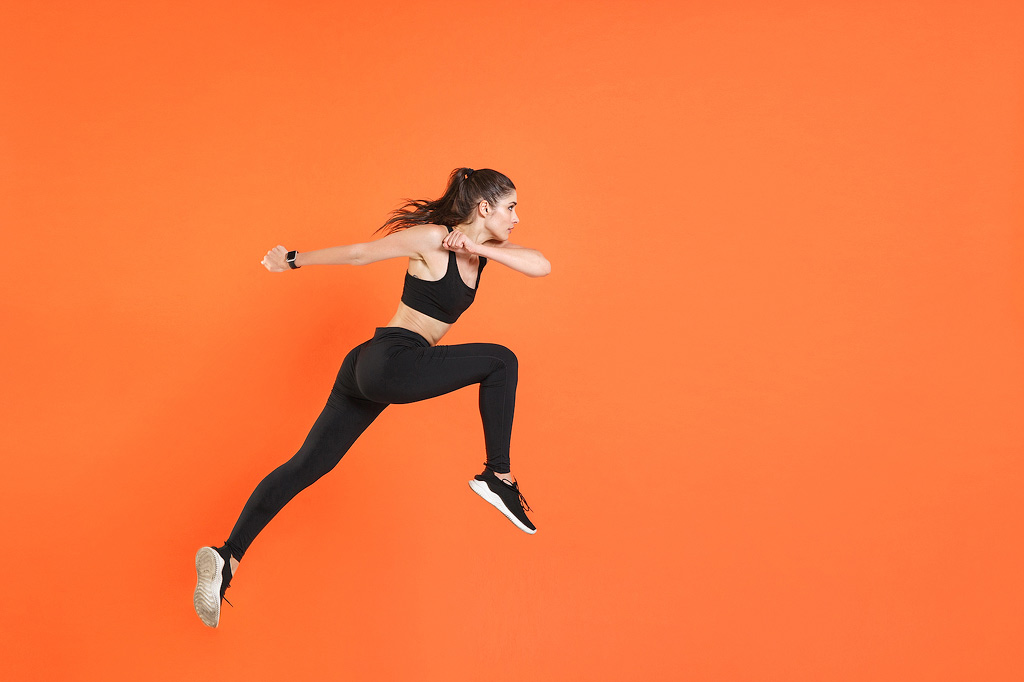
x,y
396,366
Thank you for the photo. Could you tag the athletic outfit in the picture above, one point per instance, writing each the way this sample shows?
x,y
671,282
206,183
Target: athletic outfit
x,y
396,365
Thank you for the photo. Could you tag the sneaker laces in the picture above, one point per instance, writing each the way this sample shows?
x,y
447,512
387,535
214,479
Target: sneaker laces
x,y
225,585
522,500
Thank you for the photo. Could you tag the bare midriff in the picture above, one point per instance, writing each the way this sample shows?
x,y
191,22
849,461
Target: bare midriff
x,y
424,325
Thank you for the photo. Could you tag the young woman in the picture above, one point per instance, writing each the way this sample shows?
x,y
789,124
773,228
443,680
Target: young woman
x,y
448,242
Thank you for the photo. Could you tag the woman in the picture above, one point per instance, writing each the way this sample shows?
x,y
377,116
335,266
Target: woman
x,y
448,242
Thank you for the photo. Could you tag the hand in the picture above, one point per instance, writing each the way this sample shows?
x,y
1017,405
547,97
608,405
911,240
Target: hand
x,y
457,241
275,259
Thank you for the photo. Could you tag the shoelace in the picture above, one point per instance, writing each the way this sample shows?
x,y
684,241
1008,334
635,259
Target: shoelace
x,y
522,500
224,588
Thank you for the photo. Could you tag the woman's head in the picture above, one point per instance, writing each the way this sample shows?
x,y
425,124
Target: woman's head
x,y
465,191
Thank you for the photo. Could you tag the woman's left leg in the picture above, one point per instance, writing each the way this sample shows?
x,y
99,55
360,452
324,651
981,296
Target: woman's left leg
x,y
408,369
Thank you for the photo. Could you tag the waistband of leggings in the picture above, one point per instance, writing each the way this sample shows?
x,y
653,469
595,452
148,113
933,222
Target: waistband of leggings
x,y
400,332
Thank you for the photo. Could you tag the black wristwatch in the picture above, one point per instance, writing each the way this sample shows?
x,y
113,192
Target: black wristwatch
x,y
291,260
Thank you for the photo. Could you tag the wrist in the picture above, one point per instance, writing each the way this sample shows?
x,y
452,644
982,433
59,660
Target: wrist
x,y
292,260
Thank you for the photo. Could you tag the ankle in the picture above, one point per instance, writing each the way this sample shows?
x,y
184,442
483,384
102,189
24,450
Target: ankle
x,y
228,558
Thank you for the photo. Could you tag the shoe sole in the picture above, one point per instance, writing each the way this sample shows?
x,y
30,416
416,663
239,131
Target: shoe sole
x,y
481,489
206,599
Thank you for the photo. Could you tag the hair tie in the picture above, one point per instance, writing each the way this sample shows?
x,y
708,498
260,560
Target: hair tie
x,y
471,171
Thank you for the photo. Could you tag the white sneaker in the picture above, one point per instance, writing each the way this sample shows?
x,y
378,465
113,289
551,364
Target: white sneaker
x,y
213,575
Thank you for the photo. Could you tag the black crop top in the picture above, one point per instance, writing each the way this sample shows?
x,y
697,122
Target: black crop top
x,y
443,299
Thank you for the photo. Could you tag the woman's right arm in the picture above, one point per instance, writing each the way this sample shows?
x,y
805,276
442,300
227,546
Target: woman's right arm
x,y
411,242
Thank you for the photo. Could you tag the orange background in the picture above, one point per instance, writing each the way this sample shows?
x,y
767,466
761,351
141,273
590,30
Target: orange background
x,y
769,411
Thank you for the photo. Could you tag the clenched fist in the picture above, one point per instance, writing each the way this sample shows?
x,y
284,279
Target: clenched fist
x,y
275,259
457,241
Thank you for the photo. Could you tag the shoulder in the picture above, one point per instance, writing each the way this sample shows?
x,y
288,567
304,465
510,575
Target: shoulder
x,y
429,226
428,229
410,242
431,234
424,236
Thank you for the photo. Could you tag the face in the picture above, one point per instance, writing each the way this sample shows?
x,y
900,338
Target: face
x,y
502,219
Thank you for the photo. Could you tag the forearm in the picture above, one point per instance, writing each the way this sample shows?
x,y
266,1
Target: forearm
x,y
527,261
347,254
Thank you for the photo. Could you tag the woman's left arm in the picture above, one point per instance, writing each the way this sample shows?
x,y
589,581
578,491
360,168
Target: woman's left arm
x,y
527,261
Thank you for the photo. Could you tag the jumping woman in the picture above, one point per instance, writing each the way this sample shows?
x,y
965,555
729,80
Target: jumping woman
x,y
448,242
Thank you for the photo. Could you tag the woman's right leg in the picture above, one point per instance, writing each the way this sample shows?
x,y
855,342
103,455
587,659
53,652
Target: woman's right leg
x,y
347,414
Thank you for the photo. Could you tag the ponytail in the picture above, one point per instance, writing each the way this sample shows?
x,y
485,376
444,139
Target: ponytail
x,y
466,188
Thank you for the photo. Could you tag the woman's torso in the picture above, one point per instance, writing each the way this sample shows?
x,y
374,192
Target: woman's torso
x,y
434,267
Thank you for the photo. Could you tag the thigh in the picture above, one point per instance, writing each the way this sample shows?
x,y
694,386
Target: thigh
x,y
345,383
414,374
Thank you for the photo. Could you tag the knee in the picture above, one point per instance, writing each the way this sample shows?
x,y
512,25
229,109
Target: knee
x,y
308,465
508,359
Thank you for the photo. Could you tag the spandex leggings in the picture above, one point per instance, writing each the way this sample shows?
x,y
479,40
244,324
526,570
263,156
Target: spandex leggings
x,y
396,366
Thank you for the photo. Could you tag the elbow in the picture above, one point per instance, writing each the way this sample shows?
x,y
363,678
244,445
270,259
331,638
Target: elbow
x,y
544,270
356,255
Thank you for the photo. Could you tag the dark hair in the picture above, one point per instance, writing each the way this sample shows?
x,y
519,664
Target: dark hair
x,y
465,190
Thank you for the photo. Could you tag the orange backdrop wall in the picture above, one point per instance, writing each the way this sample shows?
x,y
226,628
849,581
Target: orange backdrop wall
x,y
770,399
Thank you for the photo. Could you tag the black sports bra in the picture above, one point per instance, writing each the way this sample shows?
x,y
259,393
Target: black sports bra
x,y
443,299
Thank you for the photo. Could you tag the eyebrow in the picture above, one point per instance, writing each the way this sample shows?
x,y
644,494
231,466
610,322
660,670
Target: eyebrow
x,y
513,203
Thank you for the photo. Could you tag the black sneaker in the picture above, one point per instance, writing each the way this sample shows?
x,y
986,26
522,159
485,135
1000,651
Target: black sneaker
x,y
213,576
505,496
